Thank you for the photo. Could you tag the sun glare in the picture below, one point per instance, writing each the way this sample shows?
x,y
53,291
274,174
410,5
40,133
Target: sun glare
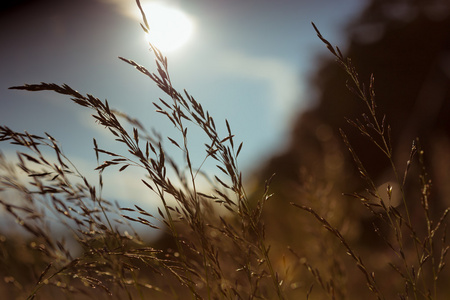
x,y
170,28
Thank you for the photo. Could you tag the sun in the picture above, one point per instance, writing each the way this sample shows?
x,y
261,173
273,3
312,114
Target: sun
x,y
170,28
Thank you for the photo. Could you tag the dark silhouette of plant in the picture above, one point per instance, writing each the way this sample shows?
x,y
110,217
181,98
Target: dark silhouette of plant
x,y
210,245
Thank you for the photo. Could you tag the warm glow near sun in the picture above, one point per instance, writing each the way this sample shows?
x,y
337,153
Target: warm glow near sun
x,y
170,28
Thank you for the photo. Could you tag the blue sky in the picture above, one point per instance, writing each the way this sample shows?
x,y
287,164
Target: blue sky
x,y
247,61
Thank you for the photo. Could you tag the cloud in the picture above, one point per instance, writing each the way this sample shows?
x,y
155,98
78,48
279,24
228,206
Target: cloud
x,y
281,78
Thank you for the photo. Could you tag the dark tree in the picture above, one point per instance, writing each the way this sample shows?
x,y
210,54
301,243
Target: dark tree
x,y
406,46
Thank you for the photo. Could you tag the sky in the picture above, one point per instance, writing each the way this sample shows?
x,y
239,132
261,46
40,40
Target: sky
x,y
246,61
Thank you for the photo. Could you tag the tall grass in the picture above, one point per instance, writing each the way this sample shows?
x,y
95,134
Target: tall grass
x,y
215,244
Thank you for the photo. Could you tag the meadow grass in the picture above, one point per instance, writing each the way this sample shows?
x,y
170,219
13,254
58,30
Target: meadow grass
x,y
215,244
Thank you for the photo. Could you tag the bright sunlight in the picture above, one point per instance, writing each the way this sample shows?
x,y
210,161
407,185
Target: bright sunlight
x,y
170,28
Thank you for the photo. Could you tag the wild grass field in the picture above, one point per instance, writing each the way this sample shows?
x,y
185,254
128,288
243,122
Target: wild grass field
x,y
223,241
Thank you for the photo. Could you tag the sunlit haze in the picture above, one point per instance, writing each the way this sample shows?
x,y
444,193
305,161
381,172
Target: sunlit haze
x,y
170,28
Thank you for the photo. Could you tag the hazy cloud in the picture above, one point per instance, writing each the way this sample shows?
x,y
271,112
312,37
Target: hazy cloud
x,y
281,78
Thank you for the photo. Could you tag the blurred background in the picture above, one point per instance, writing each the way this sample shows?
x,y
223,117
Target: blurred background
x,y
260,65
